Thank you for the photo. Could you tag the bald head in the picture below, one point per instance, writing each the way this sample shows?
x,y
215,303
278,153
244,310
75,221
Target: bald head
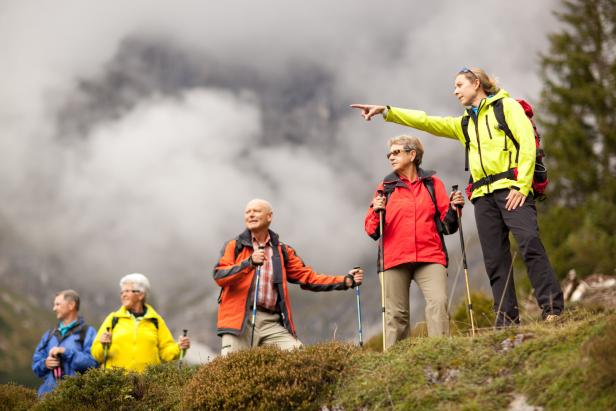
x,y
258,215
259,203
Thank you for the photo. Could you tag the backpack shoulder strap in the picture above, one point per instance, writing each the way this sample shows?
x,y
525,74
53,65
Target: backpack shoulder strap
x,y
285,253
238,248
467,139
114,322
440,228
499,113
388,188
429,183
82,334
49,334
155,321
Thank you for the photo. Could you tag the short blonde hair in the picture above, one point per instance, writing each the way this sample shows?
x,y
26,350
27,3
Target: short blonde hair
x,y
412,142
488,83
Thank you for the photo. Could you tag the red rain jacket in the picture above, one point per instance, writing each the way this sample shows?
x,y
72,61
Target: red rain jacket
x,y
410,232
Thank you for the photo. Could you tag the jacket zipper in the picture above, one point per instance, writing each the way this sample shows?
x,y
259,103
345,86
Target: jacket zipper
x,y
476,121
488,127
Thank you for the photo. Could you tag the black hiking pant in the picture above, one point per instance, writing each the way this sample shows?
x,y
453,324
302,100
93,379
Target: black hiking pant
x,y
493,225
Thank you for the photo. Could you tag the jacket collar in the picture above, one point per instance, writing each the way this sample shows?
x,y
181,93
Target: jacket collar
x,y
74,329
488,101
394,178
150,313
245,238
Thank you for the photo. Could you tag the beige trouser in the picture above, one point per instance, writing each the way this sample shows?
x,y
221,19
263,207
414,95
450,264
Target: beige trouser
x,y
268,331
432,281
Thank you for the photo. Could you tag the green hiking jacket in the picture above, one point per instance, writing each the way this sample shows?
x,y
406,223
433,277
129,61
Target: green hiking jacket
x,y
491,151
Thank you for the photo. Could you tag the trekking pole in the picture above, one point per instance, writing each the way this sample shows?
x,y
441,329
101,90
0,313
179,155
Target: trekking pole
x,y
254,304
57,371
106,351
358,300
500,304
382,267
468,288
183,351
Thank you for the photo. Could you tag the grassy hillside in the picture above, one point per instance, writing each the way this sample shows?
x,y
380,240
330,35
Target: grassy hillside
x,y
21,326
570,365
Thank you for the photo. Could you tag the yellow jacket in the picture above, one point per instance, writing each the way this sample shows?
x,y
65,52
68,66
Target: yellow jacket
x,y
488,154
136,344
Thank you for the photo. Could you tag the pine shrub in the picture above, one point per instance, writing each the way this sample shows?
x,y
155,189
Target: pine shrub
x,y
600,351
97,389
160,387
16,397
268,378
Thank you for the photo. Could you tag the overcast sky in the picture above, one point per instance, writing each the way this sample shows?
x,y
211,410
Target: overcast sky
x,y
133,133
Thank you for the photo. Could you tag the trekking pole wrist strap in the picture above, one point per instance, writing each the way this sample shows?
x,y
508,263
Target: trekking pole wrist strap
x,y
352,278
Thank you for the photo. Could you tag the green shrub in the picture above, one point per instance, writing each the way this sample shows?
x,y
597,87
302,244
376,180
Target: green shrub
x,y
160,387
16,397
600,350
267,378
96,389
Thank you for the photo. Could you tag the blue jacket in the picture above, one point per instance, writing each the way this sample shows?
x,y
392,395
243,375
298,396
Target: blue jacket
x,y
76,357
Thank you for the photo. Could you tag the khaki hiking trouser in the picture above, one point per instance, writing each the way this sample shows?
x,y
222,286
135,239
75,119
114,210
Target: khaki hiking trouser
x,y
268,331
432,281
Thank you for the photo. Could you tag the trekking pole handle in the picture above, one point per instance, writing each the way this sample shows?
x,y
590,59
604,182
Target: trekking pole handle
x,y
454,188
381,193
185,333
261,247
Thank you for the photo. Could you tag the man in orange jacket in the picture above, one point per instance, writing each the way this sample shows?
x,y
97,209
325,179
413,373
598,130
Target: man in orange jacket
x,y
235,273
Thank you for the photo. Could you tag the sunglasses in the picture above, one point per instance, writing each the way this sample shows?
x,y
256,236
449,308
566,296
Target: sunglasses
x,y
406,149
465,70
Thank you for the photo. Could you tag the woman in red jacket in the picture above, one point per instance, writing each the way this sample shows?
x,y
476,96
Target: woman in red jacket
x,y
418,212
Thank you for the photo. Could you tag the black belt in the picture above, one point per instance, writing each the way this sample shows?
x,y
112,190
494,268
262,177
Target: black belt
x,y
510,174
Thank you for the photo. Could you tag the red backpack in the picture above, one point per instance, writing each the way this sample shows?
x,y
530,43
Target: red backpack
x,y
540,175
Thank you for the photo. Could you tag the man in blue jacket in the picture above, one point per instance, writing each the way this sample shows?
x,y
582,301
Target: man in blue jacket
x,y
64,350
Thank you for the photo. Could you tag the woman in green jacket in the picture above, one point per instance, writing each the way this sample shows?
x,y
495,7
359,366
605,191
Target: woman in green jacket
x,y
502,174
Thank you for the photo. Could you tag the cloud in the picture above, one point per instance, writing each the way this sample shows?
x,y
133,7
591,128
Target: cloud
x,y
134,133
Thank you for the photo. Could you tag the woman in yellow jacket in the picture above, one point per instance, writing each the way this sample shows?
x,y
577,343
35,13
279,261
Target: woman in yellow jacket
x,y
502,174
136,335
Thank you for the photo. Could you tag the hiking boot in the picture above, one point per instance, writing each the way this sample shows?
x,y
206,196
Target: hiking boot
x,y
551,318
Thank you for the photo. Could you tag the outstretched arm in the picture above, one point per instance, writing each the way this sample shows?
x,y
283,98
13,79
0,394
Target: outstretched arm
x,y
369,110
308,279
450,127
